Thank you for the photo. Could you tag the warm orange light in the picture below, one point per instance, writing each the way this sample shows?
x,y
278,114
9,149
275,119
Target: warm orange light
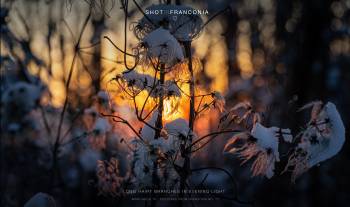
x,y
172,110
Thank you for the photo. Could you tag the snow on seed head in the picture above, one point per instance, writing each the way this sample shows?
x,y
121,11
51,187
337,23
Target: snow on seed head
x,y
184,27
102,98
22,97
100,131
178,127
322,139
101,126
139,82
260,143
163,47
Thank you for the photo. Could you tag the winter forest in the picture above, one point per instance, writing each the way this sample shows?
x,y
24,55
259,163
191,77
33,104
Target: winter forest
x,y
174,103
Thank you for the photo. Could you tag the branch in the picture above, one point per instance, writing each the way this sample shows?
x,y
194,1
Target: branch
x,y
90,46
59,129
145,15
213,135
83,135
214,16
124,121
149,94
205,107
46,123
233,180
150,112
72,125
126,5
116,47
69,80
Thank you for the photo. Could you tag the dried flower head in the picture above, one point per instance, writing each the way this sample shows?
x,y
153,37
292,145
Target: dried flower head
x,y
160,47
261,143
144,157
160,151
133,82
242,114
184,27
109,179
322,139
99,134
20,98
97,128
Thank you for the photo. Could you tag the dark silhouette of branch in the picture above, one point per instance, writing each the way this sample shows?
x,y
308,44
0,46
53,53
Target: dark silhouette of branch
x,y
57,140
233,181
125,7
124,121
214,16
213,135
116,47
145,15
90,46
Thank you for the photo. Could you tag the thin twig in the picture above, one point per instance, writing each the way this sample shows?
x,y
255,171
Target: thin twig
x,y
212,135
214,16
116,47
233,180
59,129
124,121
144,14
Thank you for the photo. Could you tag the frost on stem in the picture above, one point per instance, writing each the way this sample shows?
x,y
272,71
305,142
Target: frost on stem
x,y
139,82
161,47
322,139
184,27
260,143
109,179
